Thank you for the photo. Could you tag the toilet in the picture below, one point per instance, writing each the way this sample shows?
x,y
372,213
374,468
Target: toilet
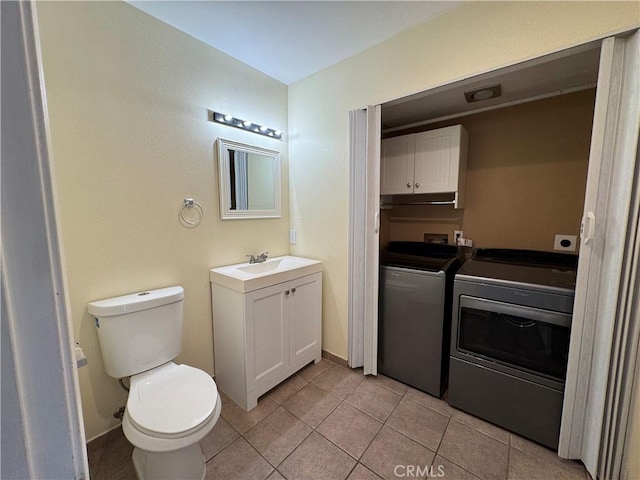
x,y
171,407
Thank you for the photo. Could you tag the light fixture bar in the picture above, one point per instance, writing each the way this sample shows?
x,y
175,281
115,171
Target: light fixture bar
x,y
231,121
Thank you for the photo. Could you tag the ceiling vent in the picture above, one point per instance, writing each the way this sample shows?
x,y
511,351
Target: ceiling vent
x,y
484,93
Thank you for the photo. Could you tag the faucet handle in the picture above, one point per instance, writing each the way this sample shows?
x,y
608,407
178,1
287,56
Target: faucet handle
x,y
252,258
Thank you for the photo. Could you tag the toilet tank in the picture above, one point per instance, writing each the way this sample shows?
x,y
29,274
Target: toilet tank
x,y
140,331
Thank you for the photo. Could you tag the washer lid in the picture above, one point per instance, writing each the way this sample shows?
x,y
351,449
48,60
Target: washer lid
x,y
171,400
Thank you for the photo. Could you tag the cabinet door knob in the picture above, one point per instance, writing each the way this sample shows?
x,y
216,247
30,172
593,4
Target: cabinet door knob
x,y
408,185
293,290
417,185
286,292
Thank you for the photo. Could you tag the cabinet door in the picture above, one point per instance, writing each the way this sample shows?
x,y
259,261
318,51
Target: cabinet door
x,y
437,157
267,348
305,318
396,165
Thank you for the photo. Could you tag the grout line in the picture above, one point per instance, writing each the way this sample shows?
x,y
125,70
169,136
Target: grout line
x,y
430,408
442,438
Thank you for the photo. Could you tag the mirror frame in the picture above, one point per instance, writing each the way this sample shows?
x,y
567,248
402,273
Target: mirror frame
x,y
226,213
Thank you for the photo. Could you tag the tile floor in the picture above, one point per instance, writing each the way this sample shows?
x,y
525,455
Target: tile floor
x,y
331,422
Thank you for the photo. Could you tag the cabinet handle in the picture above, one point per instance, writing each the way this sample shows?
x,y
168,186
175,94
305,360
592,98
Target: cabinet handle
x,y
408,185
286,292
293,290
417,185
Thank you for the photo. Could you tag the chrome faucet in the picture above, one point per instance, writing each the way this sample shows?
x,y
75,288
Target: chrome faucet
x,y
259,259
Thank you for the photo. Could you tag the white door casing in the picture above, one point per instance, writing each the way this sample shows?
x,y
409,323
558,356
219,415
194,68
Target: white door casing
x,y
42,428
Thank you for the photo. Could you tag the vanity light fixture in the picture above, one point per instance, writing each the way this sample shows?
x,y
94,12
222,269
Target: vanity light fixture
x,y
232,121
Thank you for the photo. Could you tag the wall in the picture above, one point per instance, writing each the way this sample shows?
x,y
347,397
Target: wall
x,y
474,38
128,99
631,459
526,177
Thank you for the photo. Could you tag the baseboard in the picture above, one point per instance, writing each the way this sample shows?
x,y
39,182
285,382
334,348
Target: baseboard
x,y
335,358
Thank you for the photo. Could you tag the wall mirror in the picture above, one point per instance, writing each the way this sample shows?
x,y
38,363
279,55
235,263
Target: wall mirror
x,y
249,181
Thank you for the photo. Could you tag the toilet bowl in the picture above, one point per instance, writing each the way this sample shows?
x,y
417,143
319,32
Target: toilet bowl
x,y
169,410
170,407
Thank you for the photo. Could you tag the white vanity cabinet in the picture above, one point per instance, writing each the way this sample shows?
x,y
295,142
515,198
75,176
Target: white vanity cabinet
x,y
425,162
263,336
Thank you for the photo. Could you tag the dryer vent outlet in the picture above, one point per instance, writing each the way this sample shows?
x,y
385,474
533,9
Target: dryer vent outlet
x,y
565,243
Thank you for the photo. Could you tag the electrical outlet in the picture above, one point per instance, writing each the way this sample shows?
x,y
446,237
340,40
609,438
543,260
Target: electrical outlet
x,y
292,237
566,243
457,235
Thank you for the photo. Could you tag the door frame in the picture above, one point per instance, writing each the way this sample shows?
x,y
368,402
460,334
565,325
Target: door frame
x,y
42,420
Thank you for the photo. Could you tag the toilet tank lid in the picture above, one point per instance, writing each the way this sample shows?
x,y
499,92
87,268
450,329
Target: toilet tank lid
x,y
135,302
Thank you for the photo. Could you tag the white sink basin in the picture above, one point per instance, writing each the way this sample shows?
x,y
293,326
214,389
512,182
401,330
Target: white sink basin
x,y
246,277
268,266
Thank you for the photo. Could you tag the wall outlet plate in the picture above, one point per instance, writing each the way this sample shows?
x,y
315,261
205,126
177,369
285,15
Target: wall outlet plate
x,y
293,236
566,243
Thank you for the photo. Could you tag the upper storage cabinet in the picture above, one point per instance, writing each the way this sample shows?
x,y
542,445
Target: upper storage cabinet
x,y
426,162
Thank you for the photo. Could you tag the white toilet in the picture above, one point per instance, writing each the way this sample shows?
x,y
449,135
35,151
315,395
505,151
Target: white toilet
x,y
170,407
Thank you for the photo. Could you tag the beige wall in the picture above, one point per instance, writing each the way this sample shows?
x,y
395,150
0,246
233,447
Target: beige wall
x,y
128,99
631,459
474,38
526,177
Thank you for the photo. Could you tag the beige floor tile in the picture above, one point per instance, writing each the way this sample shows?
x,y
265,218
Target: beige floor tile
x,y
387,382
446,470
128,472
287,389
391,454
243,421
278,435
476,452
478,424
317,459
374,400
312,370
526,467
429,401
312,404
218,438
572,467
276,475
238,461
419,423
112,455
350,429
362,473
339,381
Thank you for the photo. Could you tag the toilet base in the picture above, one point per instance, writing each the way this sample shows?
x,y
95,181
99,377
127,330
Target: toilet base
x,y
186,463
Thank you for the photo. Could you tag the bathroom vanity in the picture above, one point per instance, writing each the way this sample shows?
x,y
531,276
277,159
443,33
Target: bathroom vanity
x,y
267,324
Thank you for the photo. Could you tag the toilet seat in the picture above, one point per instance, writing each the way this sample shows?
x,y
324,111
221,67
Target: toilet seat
x,y
171,401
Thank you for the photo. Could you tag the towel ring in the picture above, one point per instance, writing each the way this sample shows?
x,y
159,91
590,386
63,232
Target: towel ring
x,y
190,203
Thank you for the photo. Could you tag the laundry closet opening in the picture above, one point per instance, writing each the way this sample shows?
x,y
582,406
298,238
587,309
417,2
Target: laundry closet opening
x,y
557,149
493,170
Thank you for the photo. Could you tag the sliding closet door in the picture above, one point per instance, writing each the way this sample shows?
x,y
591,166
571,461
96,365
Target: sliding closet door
x,y
364,227
598,317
